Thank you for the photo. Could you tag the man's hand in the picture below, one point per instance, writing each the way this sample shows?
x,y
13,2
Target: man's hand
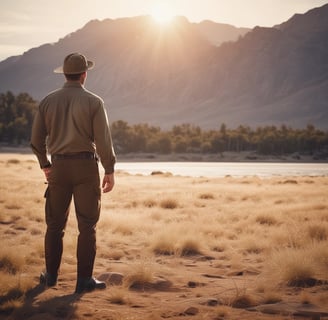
x,y
108,182
47,172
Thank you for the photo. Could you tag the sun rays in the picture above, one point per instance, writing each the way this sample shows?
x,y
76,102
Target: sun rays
x,y
162,13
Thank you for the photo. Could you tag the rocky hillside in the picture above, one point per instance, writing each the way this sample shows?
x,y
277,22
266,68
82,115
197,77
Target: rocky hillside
x,y
185,74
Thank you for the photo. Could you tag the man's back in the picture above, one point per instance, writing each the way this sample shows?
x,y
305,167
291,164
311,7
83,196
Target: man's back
x,y
68,114
73,120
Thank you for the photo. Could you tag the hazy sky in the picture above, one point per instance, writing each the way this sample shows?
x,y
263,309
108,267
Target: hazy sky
x,y
25,24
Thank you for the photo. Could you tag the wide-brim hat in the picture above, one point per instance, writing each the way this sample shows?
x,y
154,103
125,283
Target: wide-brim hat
x,y
75,63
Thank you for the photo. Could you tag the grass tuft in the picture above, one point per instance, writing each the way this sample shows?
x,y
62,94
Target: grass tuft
x,y
294,267
177,241
164,245
10,305
243,301
149,203
117,296
318,232
189,246
169,203
11,261
13,161
266,220
140,277
207,196
12,291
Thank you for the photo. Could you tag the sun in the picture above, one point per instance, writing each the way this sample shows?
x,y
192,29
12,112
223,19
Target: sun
x,y
162,13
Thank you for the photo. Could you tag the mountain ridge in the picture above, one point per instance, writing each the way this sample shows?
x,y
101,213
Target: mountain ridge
x,y
176,75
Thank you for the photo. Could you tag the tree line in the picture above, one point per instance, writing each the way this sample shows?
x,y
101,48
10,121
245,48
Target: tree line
x,y
17,113
16,117
187,138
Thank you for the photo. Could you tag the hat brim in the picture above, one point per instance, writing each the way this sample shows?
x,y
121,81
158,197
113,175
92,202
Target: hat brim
x,y
60,69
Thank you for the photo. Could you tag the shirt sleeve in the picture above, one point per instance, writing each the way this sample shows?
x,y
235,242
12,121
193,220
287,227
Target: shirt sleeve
x,y
103,139
38,140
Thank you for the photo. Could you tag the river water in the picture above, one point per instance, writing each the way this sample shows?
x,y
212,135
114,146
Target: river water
x,y
222,169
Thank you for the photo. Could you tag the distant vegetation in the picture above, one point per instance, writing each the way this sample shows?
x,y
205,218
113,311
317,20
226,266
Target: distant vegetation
x,y
16,117
186,138
17,112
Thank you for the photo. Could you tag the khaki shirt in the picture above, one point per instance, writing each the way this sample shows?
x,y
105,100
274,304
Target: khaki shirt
x,y
72,119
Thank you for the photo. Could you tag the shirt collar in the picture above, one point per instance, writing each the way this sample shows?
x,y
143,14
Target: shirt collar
x,y
72,84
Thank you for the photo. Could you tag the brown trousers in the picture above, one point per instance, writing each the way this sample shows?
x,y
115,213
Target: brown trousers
x,y
77,178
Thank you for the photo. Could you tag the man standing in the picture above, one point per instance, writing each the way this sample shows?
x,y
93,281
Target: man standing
x,y
72,126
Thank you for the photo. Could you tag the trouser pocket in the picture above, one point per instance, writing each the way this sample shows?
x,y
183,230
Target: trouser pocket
x,y
46,193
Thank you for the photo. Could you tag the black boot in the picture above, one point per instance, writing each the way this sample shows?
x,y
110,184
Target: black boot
x,y
48,279
88,284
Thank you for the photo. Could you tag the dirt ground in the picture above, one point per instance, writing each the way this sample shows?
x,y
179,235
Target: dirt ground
x,y
172,247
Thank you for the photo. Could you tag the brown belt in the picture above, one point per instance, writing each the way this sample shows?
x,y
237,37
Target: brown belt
x,y
77,155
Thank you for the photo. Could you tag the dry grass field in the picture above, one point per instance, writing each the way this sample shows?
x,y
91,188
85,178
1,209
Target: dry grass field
x,y
173,247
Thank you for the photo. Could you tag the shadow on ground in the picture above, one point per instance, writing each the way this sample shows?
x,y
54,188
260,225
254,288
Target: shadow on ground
x,y
59,307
